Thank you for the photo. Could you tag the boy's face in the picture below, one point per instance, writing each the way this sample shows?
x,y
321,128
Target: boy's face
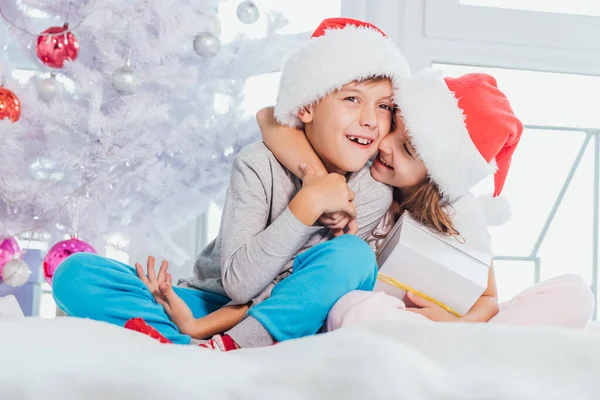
x,y
346,126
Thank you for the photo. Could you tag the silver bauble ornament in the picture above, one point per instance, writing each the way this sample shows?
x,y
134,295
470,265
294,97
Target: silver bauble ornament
x,y
16,273
125,81
207,44
50,88
247,12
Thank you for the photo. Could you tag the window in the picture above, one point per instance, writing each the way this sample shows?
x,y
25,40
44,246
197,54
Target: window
x,y
545,56
553,178
213,222
47,304
452,32
512,277
545,98
578,7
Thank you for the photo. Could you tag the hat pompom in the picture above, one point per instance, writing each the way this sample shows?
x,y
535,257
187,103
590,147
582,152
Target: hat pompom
x,y
496,209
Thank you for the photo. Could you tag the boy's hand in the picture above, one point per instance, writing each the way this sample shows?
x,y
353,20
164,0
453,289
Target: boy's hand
x,y
329,193
321,194
161,287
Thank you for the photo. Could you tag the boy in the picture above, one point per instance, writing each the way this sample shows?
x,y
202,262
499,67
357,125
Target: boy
x,y
260,234
269,253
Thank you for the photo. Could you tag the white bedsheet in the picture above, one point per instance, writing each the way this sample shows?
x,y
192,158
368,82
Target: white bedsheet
x,y
70,358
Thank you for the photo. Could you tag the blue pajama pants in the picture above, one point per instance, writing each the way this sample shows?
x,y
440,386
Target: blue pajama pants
x,y
90,286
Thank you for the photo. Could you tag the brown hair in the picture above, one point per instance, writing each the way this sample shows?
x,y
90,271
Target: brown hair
x,y
425,205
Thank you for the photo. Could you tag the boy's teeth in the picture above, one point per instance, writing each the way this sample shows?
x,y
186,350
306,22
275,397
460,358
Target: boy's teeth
x,y
363,141
360,140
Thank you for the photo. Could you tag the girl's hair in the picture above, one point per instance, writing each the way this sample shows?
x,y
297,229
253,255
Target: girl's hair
x,y
425,205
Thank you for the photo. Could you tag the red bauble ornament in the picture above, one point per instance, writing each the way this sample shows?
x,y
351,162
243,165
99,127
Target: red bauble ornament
x,y
55,45
10,106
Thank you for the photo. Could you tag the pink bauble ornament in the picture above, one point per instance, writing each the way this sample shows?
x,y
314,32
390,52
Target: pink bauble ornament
x,y
54,47
60,251
9,250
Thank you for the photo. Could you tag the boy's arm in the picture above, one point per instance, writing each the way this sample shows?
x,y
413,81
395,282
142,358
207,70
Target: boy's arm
x,y
253,254
289,145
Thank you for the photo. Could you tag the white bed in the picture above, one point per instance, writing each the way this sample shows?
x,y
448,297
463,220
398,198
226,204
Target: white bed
x,y
68,358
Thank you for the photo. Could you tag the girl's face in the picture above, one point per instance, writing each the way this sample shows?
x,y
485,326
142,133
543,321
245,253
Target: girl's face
x,y
397,163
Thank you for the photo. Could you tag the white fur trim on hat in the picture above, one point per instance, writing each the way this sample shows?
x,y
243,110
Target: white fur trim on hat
x,y
328,62
436,125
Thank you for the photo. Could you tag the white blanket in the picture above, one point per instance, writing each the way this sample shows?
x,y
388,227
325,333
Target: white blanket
x,y
70,358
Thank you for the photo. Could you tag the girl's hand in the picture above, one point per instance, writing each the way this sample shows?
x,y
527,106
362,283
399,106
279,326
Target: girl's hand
x,y
430,310
161,287
337,221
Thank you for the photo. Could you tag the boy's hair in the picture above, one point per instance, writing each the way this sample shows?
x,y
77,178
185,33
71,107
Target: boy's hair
x,y
425,204
374,79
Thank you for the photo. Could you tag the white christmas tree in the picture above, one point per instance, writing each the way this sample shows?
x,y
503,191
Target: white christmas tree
x,y
126,138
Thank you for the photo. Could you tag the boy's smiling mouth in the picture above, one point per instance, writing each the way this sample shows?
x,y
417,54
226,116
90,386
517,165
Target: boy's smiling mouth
x,y
362,141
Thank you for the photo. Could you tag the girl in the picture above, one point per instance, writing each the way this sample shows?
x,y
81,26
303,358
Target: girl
x,y
451,134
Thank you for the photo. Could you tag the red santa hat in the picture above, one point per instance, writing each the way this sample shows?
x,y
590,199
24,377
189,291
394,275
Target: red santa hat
x,y
464,130
341,50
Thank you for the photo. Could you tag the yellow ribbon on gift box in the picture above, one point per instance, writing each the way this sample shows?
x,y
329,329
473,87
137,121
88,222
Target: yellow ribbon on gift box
x,y
393,282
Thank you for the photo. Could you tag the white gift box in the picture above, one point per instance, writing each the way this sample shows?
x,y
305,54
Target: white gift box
x,y
440,268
